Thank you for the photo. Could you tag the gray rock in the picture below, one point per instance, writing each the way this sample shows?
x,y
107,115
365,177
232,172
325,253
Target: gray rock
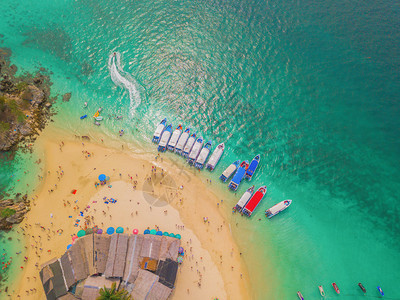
x,y
66,97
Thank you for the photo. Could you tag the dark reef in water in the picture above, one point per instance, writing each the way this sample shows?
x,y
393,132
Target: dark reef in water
x,y
12,211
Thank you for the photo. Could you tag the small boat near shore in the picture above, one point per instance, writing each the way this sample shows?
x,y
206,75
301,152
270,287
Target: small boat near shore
x,y
182,141
204,153
380,290
252,167
300,295
174,138
229,171
321,290
362,287
215,157
244,199
336,287
238,177
166,135
194,153
83,117
277,208
189,145
254,201
159,130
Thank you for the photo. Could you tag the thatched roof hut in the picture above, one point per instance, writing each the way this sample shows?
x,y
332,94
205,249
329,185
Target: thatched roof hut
x,y
159,292
151,246
101,246
132,258
117,255
92,286
167,271
52,279
143,284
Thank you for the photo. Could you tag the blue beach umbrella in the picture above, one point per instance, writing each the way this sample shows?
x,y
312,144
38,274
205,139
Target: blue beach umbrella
x,y
178,236
110,230
102,177
69,246
119,230
159,233
81,233
153,231
146,231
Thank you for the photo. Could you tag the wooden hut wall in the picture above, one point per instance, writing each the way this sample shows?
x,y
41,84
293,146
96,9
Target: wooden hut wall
x,y
67,269
58,280
101,248
144,282
111,256
159,292
87,242
132,258
120,257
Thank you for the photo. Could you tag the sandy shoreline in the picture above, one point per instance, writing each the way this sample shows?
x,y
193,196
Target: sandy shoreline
x,y
214,259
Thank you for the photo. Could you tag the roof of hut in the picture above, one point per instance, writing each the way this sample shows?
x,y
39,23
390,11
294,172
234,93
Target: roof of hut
x,y
117,255
132,258
159,292
167,271
143,284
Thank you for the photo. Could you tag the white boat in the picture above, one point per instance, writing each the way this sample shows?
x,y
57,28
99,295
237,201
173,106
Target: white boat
x,y
229,171
174,138
321,290
189,145
244,199
182,141
277,208
201,159
159,131
166,135
194,153
215,157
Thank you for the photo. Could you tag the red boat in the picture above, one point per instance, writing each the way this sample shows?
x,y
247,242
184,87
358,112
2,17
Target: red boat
x,y
254,201
336,287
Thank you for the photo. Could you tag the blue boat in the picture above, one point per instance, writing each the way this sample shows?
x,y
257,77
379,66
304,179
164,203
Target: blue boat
x,y
159,131
237,178
166,135
204,153
252,168
229,171
83,117
380,290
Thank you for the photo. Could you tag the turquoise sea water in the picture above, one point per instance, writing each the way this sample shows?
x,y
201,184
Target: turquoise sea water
x,y
313,87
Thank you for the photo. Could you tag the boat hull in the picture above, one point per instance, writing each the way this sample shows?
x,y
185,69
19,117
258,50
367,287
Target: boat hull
x,y
182,141
215,157
188,147
254,201
174,139
276,209
229,171
195,151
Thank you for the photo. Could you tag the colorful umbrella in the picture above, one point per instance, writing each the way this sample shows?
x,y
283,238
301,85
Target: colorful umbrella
x,y
99,231
89,231
178,236
81,233
69,246
74,237
159,233
146,231
110,230
172,235
165,233
180,250
153,231
119,230
180,259
102,177
135,231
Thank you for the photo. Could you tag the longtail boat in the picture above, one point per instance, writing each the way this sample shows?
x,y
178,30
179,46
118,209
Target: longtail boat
x,y
166,135
237,178
159,130
189,145
215,157
336,287
252,167
229,171
194,153
244,199
254,201
204,153
182,141
174,138
277,208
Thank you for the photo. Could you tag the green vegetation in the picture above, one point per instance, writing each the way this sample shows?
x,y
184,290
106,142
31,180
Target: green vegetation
x,y
21,86
113,294
7,212
4,126
11,108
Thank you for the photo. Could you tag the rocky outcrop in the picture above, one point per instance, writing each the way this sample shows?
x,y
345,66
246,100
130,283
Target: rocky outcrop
x,y
20,206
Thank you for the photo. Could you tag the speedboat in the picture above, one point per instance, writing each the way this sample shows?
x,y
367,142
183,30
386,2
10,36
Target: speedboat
x,y
204,153
336,287
166,135
254,201
159,130
252,167
277,208
194,153
237,178
321,290
380,290
189,145
174,138
229,171
362,287
300,295
215,157
244,199
182,141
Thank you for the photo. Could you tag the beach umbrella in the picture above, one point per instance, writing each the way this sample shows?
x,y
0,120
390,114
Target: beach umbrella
x,y
74,238
165,233
172,235
69,246
119,230
153,231
180,259
178,236
159,233
81,233
135,231
89,231
180,250
146,231
110,230
102,177
99,231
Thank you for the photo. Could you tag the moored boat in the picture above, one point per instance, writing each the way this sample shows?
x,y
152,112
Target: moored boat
x,y
166,135
194,153
238,177
252,167
215,157
182,141
321,290
189,145
254,201
336,287
204,153
300,295
380,290
277,208
244,199
174,138
229,171
362,287
159,130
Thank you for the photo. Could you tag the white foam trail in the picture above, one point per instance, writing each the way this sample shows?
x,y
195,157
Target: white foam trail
x,y
124,80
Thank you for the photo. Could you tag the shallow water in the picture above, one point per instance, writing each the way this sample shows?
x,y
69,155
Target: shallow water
x,y
312,87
